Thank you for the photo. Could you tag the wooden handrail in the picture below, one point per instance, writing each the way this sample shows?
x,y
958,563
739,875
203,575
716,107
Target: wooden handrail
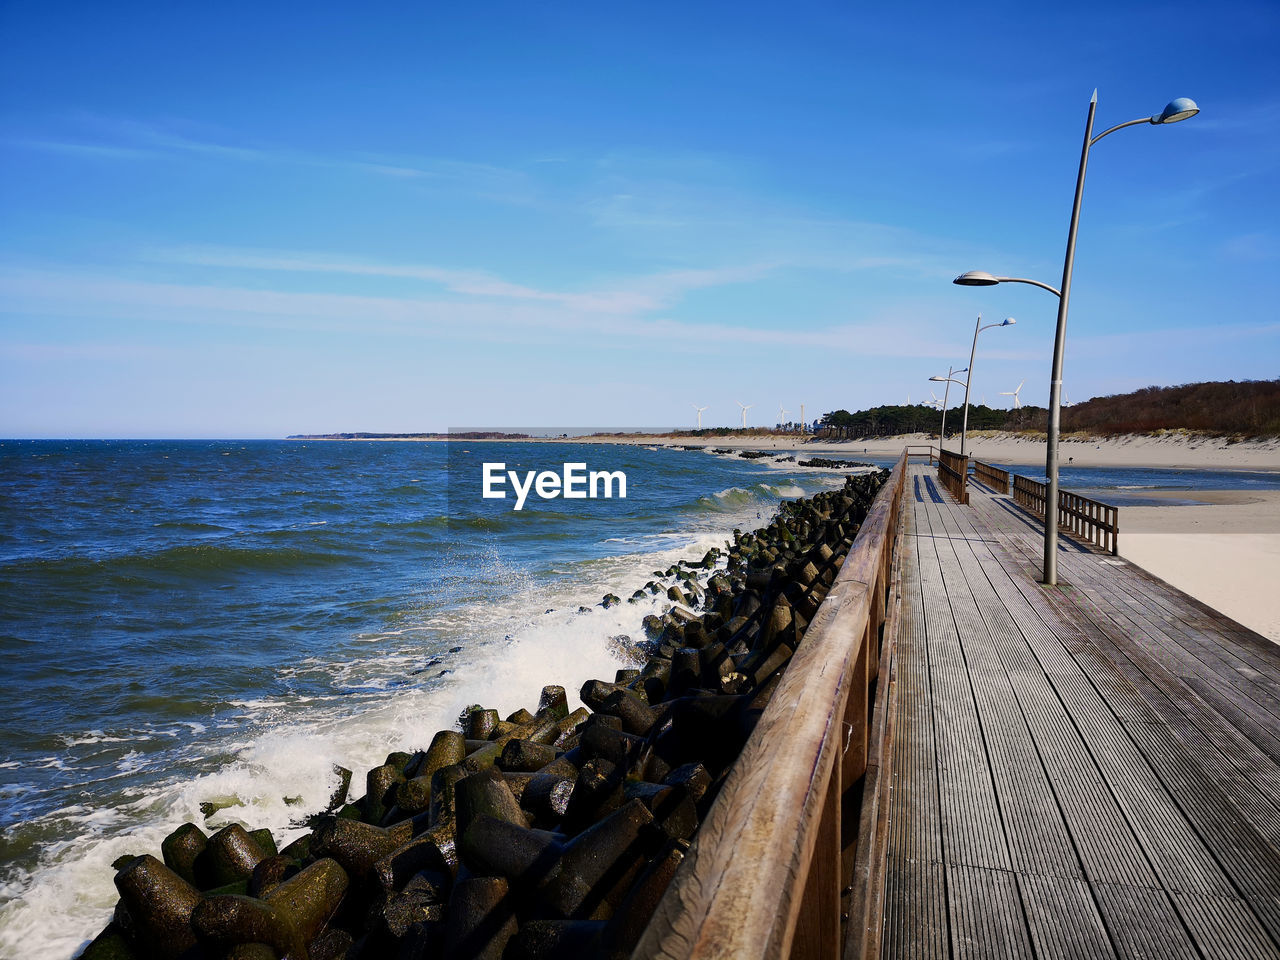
x,y
953,473
920,450
1085,519
993,475
764,875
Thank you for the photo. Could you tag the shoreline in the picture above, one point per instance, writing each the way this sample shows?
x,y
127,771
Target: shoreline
x,y
1175,451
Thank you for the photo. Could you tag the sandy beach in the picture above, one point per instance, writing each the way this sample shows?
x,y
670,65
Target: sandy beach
x,y
1172,450
1224,551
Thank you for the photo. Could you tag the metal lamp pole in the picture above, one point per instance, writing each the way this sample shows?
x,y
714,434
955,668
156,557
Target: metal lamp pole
x,y
942,434
1179,109
977,329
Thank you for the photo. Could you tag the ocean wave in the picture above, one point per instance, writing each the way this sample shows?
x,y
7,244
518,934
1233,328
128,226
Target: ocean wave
x,y
193,559
735,498
94,736
784,490
284,770
191,526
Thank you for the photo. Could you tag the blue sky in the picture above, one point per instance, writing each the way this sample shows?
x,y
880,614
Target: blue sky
x,y
225,220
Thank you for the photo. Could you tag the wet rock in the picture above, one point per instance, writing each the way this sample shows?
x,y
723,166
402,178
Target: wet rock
x,y
269,874
498,848
110,944
287,920
229,856
525,755
432,851
182,848
546,796
479,921
485,794
354,845
447,749
480,724
634,913
157,907
600,864
553,939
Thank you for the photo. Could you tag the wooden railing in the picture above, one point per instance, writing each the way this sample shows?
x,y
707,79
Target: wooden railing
x,y
953,473
921,450
767,872
1085,519
993,476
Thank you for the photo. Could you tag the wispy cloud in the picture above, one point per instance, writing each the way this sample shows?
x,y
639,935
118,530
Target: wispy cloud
x,y
127,139
82,149
639,295
110,301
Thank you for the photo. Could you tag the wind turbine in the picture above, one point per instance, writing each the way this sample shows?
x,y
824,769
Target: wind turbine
x,y
782,415
935,402
802,418
745,407
699,409
1014,393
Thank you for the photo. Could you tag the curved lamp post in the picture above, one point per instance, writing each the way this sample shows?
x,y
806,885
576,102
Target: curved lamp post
x,y
1179,109
977,329
942,434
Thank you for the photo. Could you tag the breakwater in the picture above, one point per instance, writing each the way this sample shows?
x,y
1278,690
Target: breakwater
x,y
545,832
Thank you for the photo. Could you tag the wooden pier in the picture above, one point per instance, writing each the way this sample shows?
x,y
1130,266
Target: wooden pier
x,y
962,762
1089,770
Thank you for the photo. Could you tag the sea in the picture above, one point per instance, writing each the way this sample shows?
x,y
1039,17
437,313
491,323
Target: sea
x,y
188,623
199,630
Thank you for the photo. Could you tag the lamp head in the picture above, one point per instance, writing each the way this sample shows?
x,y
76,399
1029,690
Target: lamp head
x,y
1008,322
1179,109
938,379
975,278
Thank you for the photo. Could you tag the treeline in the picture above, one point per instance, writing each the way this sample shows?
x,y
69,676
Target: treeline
x,y
1246,408
922,418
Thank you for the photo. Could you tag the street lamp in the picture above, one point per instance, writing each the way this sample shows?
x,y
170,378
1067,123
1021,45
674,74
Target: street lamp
x,y
977,329
1179,109
942,434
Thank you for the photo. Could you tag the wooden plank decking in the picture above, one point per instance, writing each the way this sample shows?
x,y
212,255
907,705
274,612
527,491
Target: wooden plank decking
x,y
1091,770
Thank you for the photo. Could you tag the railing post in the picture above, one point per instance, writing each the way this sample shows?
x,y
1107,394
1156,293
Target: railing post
x,y
1091,520
817,935
854,759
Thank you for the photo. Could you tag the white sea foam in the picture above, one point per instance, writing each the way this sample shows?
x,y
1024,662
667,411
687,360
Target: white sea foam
x,y
95,736
784,490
